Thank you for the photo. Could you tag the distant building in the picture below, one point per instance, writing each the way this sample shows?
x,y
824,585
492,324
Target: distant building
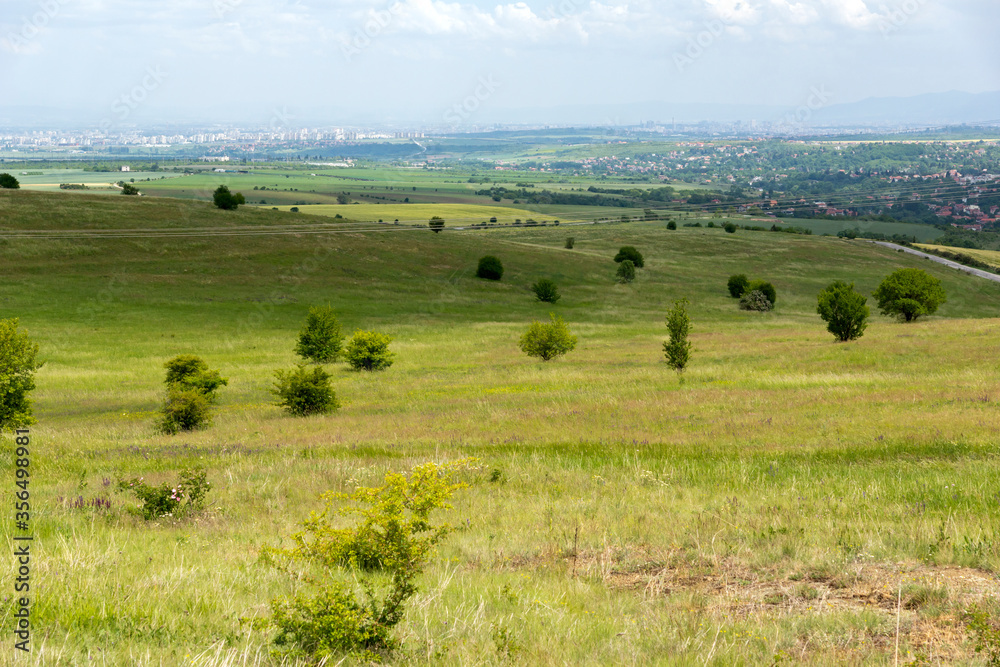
x,y
126,168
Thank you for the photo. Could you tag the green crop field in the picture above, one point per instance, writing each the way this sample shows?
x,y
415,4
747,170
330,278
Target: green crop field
x,y
789,499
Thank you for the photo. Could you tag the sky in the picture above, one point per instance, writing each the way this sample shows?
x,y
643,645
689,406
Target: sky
x,y
288,62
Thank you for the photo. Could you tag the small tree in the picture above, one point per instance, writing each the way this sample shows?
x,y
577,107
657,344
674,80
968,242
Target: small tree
x,y
187,371
320,339
909,293
844,310
546,290
671,225
129,189
436,224
755,300
305,391
343,199
677,349
17,376
185,409
629,252
490,268
226,200
9,182
738,284
626,272
766,288
730,228
547,341
369,351
570,242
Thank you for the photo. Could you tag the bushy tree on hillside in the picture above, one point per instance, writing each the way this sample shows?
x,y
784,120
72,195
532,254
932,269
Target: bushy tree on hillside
x,y
490,268
17,376
678,349
436,223
738,284
320,339
369,351
547,341
226,200
305,391
630,253
9,182
766,288
626,271
546,290
844,310
909,293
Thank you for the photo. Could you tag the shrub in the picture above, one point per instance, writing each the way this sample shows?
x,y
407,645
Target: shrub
x,y
369,351
909,293
626,271
844,310
629,252
8,182
436,223
167,499
17,376
305,391
320,339
395,536
226,200
755,300
547,341
188,372
738,284
677,349
986,633
730,228
184,409
765,287
129,189
490,268
671,225
570,241
545,290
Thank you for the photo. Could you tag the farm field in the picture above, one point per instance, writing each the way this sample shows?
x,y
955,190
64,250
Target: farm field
x,y
991,257
789,500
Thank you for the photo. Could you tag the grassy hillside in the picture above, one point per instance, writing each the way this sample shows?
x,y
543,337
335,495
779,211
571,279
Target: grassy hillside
x,y
776,504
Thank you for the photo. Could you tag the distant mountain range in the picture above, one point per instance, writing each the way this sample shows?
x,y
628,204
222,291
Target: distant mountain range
x,y
929,110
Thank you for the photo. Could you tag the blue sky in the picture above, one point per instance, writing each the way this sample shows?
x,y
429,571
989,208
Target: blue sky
x,y
254,59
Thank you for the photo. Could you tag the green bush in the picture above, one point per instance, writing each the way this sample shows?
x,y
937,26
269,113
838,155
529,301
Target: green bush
x,y
167,499
436,223
394,537
626,271
545,290
369,351
730,228
226,200
629,252
185,409
547,341
490,268
320,339
678,349
187,371
671,225
8,182
570,242
305,391
844,310
909,294
17,376
738,284
986,633
755,300
765,287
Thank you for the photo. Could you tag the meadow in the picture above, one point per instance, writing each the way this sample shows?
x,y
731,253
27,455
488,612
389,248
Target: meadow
x,y
790,499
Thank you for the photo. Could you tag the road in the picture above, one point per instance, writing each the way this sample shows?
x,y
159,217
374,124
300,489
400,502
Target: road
x,y
941,260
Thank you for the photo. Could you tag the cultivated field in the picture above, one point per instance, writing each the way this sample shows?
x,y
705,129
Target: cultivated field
x,y
792,499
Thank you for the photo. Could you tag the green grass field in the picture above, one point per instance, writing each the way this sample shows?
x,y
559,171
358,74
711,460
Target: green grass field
x,y
793,499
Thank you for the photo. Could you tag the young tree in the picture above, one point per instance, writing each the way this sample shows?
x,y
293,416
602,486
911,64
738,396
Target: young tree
x,y
738,284
17,376
436,223
766,288
226,200
320,339
9,182
129,189
369,351
546,290
342,198
626,272
678,349
730,228
188,372
547,341
844,310
629,252
490,268
305,391
909,293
